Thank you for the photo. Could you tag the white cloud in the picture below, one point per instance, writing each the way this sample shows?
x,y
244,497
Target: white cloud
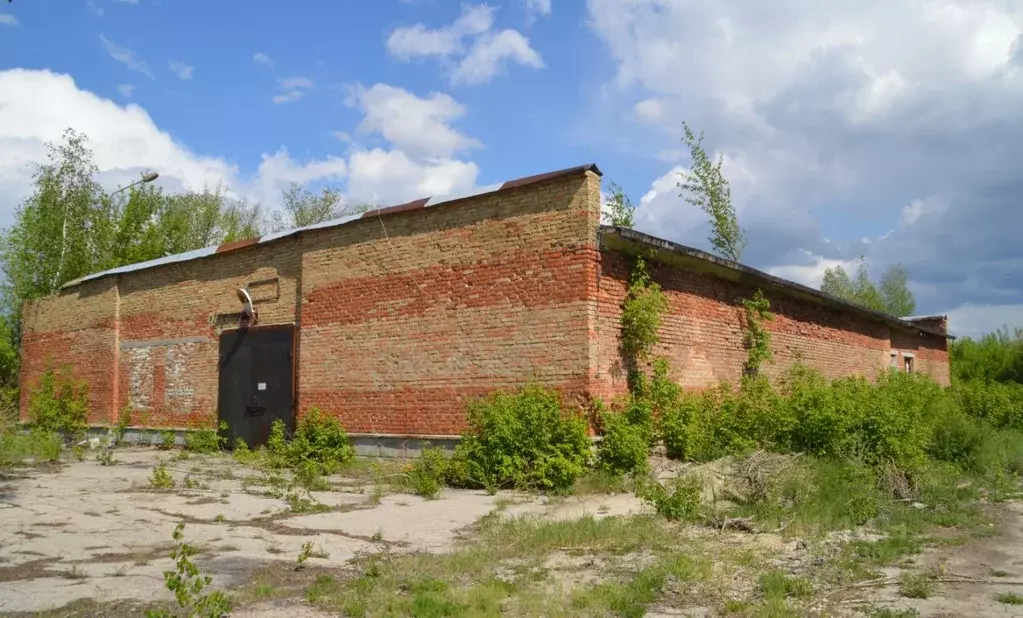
x,y
126,90
342,136
98,10
292,89
6,19
539,7
812,274
491,52
408,42
976,320
475,62
418,126
125,56
650,110
390,176
839,116
182,70
39,105
263,59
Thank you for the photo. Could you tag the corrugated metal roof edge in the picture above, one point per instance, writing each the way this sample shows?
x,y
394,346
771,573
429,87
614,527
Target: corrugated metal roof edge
x,y
673,247
426,202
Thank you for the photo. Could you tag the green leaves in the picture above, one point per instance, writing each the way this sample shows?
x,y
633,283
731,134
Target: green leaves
x,y
619,210
706,187
892,296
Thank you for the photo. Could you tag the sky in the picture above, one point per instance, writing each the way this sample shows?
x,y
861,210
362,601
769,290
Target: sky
x,y
888,129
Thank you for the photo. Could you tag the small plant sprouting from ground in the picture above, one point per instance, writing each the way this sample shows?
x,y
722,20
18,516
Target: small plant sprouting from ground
x,y
915,586
308,552
161,479
189,584
121,428
1009,598
106,458
756,337
167,440
206,439
425,476
59,403
678,500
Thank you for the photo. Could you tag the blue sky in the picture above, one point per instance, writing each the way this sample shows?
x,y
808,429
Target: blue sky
x,y
891,129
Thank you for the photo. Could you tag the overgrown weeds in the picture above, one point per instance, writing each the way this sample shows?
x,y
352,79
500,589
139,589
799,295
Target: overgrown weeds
x,y
189,584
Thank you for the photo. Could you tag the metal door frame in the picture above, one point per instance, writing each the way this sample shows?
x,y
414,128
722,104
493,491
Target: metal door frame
x,y
294,362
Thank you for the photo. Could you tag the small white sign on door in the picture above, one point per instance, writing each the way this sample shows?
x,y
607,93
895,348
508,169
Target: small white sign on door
x,y
261,386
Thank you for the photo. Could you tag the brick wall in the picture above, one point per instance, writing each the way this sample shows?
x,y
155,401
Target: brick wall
x,y
77,327
400,329
703,339
404,318
398,325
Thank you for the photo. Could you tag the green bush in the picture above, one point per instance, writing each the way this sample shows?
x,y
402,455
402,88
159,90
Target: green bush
x,y
321,439
426,475
60,403
38,445
522,440
206,439
624,447
678,500
683,426
823,421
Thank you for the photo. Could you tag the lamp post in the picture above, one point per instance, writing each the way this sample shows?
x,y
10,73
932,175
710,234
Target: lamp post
x,y
149,177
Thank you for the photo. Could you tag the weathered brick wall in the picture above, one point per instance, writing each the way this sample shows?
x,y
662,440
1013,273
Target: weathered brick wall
x,y
171,319
400,330
702,334
78,328
397,330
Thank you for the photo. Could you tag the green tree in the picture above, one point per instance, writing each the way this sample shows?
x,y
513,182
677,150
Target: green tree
x,y
302,207
619,209
837,283
864,290
52,240
894,288
705,187
892,295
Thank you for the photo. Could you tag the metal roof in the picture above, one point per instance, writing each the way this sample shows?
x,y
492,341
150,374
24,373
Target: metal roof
x,y
426,202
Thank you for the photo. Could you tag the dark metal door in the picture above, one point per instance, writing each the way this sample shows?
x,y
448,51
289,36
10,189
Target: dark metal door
x,y
256,385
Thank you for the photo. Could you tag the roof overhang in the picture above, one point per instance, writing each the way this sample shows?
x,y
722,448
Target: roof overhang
x,y
631,242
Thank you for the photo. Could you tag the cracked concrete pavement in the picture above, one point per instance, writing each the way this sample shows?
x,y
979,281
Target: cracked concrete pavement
x,y
88,531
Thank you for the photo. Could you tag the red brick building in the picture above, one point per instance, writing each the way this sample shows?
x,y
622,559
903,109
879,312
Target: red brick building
x,y
394,319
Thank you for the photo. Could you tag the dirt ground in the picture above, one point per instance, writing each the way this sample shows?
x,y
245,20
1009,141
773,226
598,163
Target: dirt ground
x,y
93,536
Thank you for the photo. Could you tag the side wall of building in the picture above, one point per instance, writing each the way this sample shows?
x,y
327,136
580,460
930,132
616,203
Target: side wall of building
x,y
401,318
702,333
79,328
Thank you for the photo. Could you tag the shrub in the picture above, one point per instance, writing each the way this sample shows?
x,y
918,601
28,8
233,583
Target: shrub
x,y
206,439
684,426
522,440
161,479
679,500
38,445
320,439
822,422
896,423
624,447
426,475
60,403
167,440
959,438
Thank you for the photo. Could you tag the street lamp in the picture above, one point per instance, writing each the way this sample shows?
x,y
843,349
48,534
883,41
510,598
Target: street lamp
x,y
150,177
